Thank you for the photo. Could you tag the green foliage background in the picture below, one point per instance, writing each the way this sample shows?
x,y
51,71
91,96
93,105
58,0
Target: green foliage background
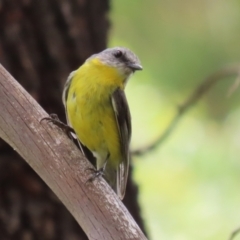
x,y
190,185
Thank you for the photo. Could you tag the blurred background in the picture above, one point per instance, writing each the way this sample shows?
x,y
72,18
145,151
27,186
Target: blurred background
x,y
189,185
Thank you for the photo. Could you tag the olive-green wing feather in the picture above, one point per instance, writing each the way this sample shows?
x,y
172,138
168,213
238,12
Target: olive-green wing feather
x,y
64,100
123,119
66,89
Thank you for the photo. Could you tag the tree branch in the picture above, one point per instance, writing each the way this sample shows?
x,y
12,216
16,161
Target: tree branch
x,y
205,86
234,233
61,165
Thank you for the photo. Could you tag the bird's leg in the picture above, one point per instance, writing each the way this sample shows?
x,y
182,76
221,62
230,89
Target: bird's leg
x,y
66,128
54,119
99,172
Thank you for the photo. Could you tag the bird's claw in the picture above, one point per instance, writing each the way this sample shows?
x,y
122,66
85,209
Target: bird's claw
x,y
55,120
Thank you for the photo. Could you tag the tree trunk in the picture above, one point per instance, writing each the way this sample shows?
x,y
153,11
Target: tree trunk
x,y
41,42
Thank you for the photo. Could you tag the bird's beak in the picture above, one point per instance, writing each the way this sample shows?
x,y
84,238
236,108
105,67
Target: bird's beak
x,y
135,66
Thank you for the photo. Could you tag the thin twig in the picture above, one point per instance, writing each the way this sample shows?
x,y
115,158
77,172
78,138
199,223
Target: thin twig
x,y
205,86
234,233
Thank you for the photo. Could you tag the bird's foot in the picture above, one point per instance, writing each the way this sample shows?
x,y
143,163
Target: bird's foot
x,y
54,119
97,173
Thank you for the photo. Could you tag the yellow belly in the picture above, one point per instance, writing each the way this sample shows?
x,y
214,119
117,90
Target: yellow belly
x,y
93,119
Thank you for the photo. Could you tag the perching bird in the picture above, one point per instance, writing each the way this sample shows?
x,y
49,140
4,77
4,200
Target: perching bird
x,y
97,109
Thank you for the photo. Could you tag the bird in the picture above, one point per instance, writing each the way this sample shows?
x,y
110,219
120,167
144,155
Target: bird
x,y
97,109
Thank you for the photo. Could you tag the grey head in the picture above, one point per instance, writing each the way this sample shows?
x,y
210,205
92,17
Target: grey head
x,y
121,58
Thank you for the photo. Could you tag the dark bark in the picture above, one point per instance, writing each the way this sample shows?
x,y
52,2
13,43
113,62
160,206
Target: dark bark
x,y
41,42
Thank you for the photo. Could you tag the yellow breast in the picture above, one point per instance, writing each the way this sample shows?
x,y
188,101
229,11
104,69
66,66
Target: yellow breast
x,y
90,110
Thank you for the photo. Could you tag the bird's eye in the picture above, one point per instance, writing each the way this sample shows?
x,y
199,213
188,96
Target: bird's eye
x,y
118,54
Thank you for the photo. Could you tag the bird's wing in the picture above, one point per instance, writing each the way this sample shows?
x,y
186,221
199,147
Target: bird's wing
x,y
66,89
65,96
123,119
64,100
